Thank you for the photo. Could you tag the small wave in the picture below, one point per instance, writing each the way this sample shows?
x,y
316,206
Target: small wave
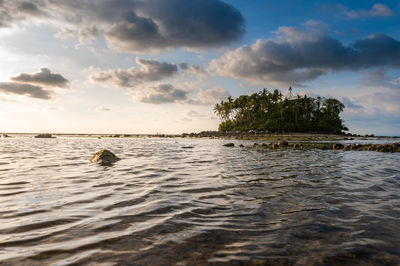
x,y
164,204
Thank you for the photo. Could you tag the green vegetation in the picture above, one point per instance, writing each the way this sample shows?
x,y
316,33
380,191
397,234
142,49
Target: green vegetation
x,y
274,112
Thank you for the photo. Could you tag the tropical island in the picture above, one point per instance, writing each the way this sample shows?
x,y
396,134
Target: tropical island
x,y
271,111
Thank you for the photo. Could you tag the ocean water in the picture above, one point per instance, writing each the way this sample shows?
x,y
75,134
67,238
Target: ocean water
x,y
163,204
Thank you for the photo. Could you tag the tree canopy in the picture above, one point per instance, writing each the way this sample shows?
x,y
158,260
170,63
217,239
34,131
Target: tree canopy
x,y
272,111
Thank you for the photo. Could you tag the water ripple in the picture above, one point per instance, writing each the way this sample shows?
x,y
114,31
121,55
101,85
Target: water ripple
x,y
193,201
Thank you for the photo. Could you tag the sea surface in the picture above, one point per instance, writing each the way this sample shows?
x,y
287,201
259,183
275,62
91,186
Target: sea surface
x,y
195,202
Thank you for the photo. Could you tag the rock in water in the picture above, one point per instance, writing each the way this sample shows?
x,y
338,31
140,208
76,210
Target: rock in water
x,y
338,146
104,157
229,145
283,143
44,136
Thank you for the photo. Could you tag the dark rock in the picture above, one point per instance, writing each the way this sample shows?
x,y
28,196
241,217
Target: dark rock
x,y
229,145
283,143
323,147
104,157
338,146
187,147
241,145
44,136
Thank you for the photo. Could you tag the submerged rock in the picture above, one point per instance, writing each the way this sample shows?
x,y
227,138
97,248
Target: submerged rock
x,y
104,157
229,145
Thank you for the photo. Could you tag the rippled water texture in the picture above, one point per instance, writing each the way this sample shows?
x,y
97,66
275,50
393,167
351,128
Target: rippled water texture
x,y
163,204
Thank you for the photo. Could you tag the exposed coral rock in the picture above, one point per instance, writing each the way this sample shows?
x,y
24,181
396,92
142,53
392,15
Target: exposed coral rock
x,y
104,157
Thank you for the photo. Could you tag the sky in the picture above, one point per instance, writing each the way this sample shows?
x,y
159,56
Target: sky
x,y
160,66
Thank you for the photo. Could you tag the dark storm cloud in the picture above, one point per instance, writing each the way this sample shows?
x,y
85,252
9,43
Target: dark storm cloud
x,y
16,11
162,93
150,70
25,89
136,25
173,23
44,78
29,8
295,57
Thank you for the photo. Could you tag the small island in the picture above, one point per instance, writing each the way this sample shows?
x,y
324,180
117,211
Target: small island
x,y
272,112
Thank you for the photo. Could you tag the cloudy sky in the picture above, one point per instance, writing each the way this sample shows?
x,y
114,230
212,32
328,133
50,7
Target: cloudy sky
x,y
159,66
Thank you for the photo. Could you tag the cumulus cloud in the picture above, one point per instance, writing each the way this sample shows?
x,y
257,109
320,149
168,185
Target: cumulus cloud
x,y
193,113
12,11
377,10
150,70
44,78
196,69
386,101
316,25
136,25
350,103
378,78
210,97
162,93
295,57
25,89
33,85
88,34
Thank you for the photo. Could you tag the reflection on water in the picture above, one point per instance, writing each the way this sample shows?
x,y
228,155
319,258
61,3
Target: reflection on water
x,y
165,204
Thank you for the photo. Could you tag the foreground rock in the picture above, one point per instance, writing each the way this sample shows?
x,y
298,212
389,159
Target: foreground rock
x,y
104,157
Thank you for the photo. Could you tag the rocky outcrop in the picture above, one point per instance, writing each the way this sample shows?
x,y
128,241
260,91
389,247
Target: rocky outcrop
x,y
394,147
104,157
44,136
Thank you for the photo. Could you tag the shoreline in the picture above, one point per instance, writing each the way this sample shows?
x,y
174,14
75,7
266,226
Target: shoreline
x,y
290,136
